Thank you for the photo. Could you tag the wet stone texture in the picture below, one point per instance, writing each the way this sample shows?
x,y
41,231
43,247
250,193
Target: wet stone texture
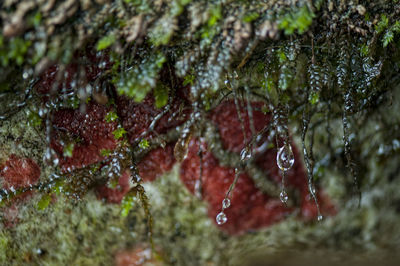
x,y
88,132
17,174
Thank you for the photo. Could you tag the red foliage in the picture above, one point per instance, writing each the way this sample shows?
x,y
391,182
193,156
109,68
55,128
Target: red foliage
x,y
153,165
19,172
225,117
115,195
156,162
137,117
91,129
250,208
94,63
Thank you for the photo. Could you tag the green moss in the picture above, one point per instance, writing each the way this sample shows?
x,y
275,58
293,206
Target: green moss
x,y
127,204
105,152
105,42
119,133
382,24
251,17
111,116
144,144
299,20
4,240
161,93
13,51
140,79
34,119
68,150
44,202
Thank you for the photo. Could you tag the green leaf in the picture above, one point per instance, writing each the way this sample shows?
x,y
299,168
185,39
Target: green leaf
x,y
127,204
382,24
299,20
160,33
106,42
119,133
161,93
105,152
250,17
188,80
364,50
215,15
44,202
111,116
282,56
34,119
314,98
58,186
141,79
144,144
68,150
387,38
34,20
396,27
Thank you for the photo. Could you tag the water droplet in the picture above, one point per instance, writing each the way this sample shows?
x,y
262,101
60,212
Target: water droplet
x,y
283,196
311,188
245,154
197,189
221,218
226,203
181,147
285,157
320,217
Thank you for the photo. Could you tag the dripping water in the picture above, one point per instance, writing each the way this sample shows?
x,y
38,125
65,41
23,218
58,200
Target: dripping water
x,y
308,161
347,145
343,77
245,154
199,182
181,147
250,114
284,155
226,202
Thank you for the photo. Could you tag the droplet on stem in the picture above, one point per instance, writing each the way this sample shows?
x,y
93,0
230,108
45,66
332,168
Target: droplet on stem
x,y
285,157
226,203
221,218
320,217
284,196
197,189
181,147
245,154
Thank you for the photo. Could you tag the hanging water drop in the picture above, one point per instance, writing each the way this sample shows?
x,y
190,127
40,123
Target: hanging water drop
x,y
285,157
181,148
197,189
226,203
320,217
221,218
245,154
283,196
